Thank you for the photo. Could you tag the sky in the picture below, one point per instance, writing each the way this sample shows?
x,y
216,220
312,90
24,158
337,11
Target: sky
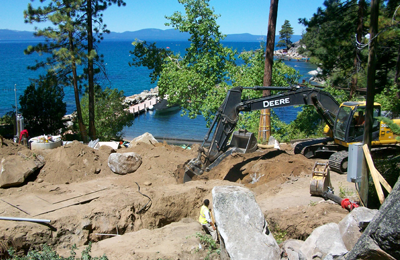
x,y
236,16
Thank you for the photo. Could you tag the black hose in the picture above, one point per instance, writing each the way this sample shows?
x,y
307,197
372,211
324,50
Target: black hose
x,y
147,204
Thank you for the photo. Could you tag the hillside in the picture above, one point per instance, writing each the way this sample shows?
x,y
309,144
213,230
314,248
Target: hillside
x,y
145,34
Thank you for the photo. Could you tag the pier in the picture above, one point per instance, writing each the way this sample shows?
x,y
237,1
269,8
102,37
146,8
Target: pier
x,y
143,106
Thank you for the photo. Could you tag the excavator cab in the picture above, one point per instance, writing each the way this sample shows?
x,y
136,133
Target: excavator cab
x,y
350,121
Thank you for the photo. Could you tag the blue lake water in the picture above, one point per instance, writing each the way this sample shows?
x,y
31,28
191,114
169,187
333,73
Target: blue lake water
x,y
132,80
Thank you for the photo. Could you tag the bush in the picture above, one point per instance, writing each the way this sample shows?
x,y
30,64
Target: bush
x,y
110,113
42,106
47,253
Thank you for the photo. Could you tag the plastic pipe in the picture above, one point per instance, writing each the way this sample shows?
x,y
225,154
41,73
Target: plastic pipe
x,y
26,219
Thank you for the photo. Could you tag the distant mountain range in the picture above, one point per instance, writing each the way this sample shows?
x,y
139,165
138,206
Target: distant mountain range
x,y
145,34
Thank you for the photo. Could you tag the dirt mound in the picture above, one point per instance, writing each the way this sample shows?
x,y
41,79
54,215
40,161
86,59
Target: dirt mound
x,y
299,222
11,148
74,162
257,168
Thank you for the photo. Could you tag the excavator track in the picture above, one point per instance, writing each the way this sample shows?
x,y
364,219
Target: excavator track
x,y
338,161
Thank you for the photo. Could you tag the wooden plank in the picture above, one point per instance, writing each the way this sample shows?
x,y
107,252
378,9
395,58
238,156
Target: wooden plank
x,y
68,203
34,205
382,180
15,206
77,196
374,174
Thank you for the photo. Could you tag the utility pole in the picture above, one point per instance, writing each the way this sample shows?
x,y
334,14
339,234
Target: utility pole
x,y
264,131
369,109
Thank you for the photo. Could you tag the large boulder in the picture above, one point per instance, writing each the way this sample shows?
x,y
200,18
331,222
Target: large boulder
x,y
241,224
325,242
123,163
350,226
144,138
381,239
16,168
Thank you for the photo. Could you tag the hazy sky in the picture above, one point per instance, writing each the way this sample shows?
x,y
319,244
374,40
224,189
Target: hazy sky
x,y
237,16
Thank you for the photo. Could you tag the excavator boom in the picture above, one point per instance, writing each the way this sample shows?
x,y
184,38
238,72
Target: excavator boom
x,y
227,116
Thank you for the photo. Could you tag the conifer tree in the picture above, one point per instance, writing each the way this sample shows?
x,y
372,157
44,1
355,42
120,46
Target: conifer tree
x,y
92,19
78,25
63,42
285,35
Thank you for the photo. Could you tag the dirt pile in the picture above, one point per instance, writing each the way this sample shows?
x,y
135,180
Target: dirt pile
x,y
74,162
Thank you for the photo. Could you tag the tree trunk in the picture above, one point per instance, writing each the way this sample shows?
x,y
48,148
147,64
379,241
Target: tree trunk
x,y
264,131
82,127
397,75
359,32
92,128
370,96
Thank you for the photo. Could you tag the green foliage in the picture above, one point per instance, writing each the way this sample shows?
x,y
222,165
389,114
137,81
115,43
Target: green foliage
x,y
75,26
42,106
5,120
251,74
47,253
208,241
308,124
393,126
193,81
110,114
285,35
344,192
278,233
389,169
389,101
312,203
148,55
329,39
196,81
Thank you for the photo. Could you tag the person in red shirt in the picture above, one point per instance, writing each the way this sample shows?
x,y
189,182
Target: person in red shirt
x,y
24,133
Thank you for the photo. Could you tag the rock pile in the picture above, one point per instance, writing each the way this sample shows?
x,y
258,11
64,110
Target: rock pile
x,y
244,232
143,96
292,53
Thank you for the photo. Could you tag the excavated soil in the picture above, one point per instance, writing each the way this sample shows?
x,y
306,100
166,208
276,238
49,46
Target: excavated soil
x,y
151,214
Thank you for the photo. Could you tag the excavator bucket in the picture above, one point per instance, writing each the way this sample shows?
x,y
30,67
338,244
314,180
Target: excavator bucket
x,y
321,179
243,141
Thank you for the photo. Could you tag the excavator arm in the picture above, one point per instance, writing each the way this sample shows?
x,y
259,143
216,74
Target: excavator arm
x,y
228,114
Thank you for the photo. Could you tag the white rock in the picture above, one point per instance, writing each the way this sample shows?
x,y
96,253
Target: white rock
x,y
123,163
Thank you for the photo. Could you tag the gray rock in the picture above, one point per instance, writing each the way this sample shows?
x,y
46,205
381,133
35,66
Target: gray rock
x,y
123,163
324,241
16,168
144,138
241,224
350,226
381,239
291,250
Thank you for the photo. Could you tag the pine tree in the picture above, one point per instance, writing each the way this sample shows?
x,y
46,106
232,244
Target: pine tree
x,y
78,25
93,22
285,35
63,42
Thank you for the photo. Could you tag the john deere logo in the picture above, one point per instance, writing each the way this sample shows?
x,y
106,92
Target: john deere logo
x,y
278,102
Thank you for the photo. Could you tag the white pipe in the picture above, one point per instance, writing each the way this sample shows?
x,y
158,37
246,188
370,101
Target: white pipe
x,y
26,219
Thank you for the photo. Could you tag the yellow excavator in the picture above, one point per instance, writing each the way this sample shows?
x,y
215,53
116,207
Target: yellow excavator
x,y
344,125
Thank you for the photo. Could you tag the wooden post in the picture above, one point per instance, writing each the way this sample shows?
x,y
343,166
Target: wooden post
x,y
264,131
370,97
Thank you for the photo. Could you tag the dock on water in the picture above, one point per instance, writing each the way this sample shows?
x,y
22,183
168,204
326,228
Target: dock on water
x,y
143,106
